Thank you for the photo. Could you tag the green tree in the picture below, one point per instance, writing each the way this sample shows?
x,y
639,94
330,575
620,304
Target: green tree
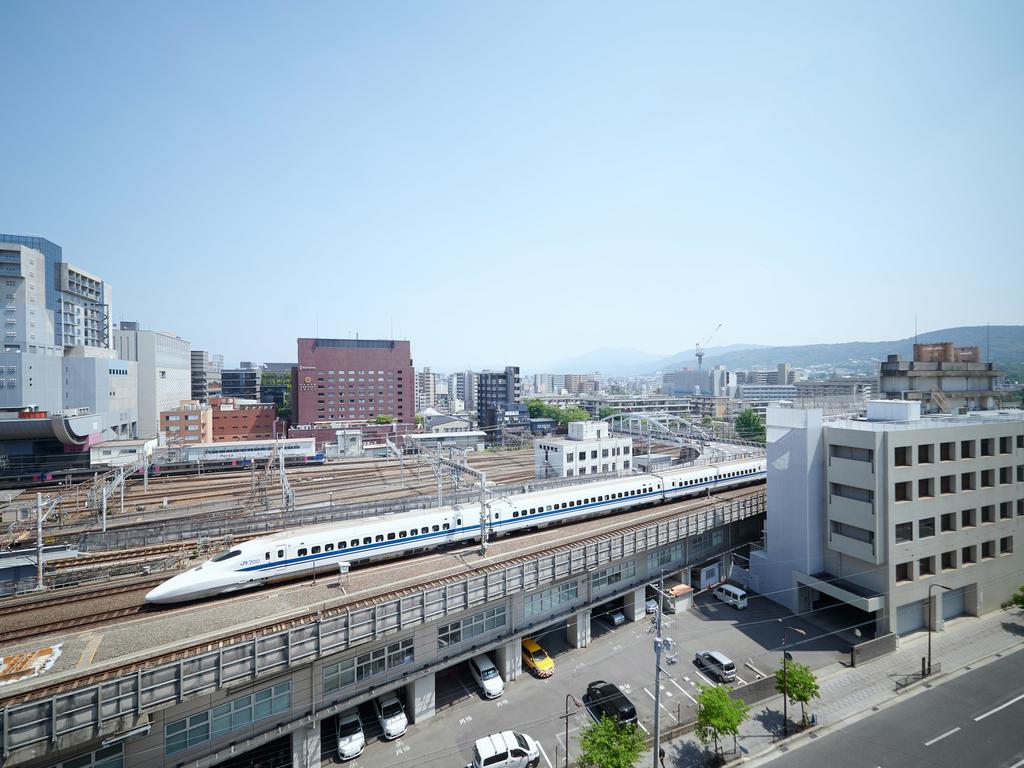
x,y
605,412
565,415
606,744
1018,598
537,409
383,419
419,420
801,684
749,426
718,714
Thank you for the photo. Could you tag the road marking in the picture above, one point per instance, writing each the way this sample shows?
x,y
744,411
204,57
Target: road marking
x,y
942,736
667,710
545,754
705,677
1017,765
683,690
1001,706
742,681
649,733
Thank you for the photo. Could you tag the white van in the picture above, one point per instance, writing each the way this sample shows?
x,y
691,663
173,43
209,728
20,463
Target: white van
x,y
734,596
486,676
350,735
507,749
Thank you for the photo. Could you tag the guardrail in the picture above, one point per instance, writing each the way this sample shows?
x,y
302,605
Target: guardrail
x,y
116,703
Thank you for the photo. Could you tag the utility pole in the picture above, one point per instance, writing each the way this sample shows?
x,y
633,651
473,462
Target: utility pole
x,y
660,643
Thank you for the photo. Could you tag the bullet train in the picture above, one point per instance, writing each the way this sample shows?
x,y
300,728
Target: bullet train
x,y
291,554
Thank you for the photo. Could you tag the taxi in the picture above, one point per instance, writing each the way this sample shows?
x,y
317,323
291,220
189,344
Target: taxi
x,y
537,659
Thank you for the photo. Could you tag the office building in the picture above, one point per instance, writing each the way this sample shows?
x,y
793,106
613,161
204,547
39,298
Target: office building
x,y
206,375
190,422
164,371
50,302
242,382
353,380
895,520
942,377
497,392
588,450
426,389
236,419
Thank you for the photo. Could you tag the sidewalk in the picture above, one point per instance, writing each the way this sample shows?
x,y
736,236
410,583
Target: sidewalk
x,y
846,692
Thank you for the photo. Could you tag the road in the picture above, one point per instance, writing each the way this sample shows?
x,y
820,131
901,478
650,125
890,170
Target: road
x,y
971,720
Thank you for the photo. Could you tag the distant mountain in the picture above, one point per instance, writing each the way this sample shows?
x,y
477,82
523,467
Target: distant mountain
x,y
607,360
1001,344
688,360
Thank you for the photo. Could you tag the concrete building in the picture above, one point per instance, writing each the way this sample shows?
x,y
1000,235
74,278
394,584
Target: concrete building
x,y
942,377
588,450
426,389
770,392
164,371
242,382
579,383
190,422
206,375
463,386
497,392
686,382
237,419
353,379
50,302
116,453
869,517
861,387
444,423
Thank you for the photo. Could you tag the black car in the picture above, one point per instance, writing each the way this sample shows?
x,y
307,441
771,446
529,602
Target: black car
x,y
606,699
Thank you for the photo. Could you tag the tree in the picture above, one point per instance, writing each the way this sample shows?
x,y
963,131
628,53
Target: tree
x,y
801,684
749,426
1018,598
718,714
383,419
565,415
419,420
537,408
606,744
605,411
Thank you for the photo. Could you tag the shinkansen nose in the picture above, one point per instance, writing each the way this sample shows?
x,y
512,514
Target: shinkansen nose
x,y
195,584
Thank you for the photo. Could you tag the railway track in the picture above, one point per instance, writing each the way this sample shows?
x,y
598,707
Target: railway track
x,y
604,525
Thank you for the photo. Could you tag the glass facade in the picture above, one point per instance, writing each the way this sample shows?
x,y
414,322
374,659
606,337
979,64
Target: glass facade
x,y
541,602
366,665
466,629
232,715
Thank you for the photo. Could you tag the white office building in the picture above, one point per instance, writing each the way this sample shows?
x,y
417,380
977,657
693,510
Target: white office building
x,y
588,450
164,371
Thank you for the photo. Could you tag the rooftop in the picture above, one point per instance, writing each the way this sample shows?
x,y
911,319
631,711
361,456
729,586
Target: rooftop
x,y
930,421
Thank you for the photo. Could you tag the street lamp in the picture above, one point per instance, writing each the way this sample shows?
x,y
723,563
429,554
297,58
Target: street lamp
x,y
565,717
931,621
785,678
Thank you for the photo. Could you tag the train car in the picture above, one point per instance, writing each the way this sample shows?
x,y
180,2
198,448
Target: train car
x,y
296,448
297,553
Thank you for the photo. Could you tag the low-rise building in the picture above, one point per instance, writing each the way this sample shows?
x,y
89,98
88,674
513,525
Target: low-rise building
x,y
588,450
238,419
190,422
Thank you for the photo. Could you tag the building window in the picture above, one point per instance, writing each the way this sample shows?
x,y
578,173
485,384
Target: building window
x,y
949,560
947,451
466,629
925,453
904,572
948,522
988,514
109,757
903,491
904,532
968,481
1005,445
232,715
968,555
925,488
1005,510
988,478
988,550
968,449
947,484
902,458
988,446
1006,545
614,574
541,602
926,566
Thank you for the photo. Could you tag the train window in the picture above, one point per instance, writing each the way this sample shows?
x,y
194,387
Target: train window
x,y
266,556
434,528
316,550
458,521
280,553
414,532
227,555
353,543
379,537
366,540
446,526
328,548
402,534
391,536
302,552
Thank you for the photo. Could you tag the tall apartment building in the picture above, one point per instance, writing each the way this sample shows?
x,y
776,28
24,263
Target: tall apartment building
x,y
463,386
579,383
353,379
50,301
865,515
942,377
495,391
426,389
243,382
206,375
164,371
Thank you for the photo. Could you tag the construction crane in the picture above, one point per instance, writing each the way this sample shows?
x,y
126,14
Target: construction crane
x,y
702,344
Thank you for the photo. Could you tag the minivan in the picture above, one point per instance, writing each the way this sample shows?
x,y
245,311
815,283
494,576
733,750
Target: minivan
x,y
486,676
391,716
607,700
734,596
507,749
350,735
717,664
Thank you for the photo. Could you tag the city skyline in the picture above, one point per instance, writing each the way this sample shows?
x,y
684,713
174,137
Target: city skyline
x,y
393,174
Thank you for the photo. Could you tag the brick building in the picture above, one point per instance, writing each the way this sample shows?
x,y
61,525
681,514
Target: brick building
x,y
352,380
235,419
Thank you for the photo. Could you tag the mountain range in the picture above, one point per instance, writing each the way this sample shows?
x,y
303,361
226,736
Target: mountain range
x,y
1001,344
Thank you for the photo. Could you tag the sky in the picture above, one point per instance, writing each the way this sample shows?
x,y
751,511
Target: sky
x,y
516,183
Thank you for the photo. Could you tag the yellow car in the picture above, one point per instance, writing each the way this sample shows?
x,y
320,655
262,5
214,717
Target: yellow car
x,y
537,659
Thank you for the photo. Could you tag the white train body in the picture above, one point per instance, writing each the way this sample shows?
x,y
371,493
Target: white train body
x,y
238,450
324,547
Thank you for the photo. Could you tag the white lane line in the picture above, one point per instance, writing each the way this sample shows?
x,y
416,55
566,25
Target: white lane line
x,y
649,733
742,681
940,737
683,690
1017,765
667,710
545,754
1001,706
705,677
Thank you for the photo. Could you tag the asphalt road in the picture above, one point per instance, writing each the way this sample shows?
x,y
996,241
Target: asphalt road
x,y
972,720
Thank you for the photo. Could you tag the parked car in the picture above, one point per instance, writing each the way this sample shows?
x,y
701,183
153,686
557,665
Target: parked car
x,y
615,618
350,735
731,595
507,749
391,716
486,676
651,605
606,699
537,659
718,664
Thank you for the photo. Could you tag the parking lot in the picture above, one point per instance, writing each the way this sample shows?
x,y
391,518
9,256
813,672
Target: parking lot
x,y
623,655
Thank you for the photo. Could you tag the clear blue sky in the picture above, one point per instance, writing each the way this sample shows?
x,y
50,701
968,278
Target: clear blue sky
x,y
522,182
